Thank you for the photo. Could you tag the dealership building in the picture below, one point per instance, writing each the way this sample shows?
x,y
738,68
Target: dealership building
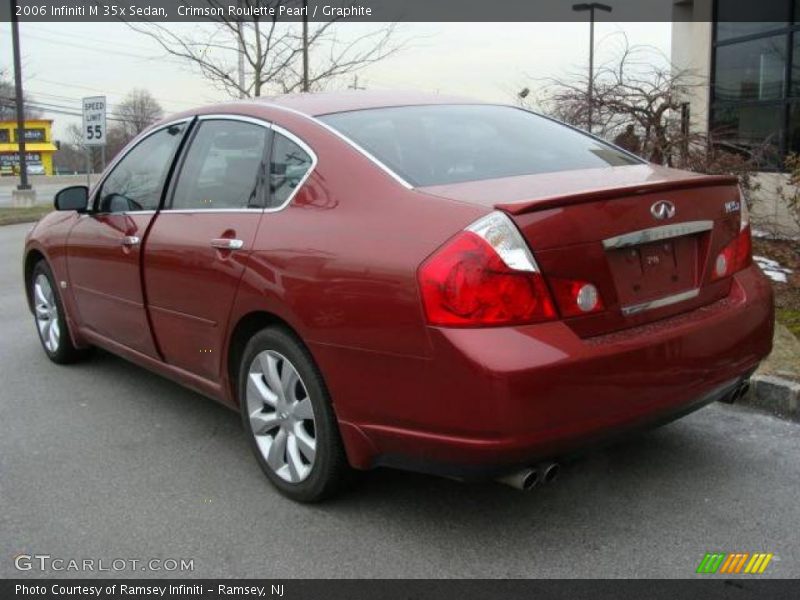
x,y
749,53
747,56
39,146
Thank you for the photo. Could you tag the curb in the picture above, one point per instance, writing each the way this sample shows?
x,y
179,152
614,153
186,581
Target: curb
x,y
19,221
776,395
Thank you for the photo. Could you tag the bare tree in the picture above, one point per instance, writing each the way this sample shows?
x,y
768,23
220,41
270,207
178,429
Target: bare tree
x,y
72,146
8,101
639,93
137,111
637,87
70,156
272,50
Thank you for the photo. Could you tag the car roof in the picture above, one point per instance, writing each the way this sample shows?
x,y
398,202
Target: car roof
x,y
316,104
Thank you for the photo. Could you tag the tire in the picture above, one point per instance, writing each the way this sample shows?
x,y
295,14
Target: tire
x,y
50,319
289,419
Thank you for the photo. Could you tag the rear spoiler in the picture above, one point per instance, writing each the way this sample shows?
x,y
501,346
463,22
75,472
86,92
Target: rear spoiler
x,y
525,206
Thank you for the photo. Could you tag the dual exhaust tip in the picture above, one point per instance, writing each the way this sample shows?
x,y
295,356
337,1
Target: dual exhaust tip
x,y
528,478
738,393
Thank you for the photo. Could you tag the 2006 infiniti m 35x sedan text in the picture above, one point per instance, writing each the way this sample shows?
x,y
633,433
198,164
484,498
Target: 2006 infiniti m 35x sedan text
x,y
397,279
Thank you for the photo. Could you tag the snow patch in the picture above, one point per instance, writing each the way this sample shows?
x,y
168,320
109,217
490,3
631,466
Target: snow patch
x,y
772,269
775,275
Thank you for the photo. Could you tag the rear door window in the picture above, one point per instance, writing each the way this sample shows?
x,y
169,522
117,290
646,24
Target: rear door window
x,y
440,144
224,168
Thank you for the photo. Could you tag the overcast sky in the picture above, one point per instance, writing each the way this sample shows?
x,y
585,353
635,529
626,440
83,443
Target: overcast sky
x,y
63,62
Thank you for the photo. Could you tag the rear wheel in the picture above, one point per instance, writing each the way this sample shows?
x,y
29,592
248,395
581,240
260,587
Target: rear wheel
x,y
288,416
51,322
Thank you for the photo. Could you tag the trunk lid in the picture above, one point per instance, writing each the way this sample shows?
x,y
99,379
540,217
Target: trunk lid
x,y
645,236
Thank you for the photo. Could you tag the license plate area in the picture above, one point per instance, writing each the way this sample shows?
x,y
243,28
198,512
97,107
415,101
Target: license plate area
x,y
653,270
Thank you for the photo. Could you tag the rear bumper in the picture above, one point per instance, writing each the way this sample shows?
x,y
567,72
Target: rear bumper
x,y
501,397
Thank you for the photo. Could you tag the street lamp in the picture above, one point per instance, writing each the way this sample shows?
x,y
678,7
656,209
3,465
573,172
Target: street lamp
x,y
591,8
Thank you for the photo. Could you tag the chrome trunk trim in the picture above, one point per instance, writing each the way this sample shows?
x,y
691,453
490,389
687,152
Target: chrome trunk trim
x,y
660,302
655,234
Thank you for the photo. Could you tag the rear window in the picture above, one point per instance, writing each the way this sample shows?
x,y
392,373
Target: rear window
x,y
434,145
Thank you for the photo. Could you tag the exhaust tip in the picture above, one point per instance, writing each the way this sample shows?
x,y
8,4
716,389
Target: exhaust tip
x,y
745,387
739,392
550,472
524,479
530,480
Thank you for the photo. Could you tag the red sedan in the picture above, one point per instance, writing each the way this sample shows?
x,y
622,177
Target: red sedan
x,y
415,281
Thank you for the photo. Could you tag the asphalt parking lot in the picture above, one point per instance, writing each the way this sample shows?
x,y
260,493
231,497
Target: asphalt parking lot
x,y
104,460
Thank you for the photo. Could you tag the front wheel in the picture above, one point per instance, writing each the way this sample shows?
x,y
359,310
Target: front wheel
x,y
289,418
51,322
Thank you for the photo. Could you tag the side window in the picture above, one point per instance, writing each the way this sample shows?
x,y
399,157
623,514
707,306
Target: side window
x,y
288,166
224,167
136,181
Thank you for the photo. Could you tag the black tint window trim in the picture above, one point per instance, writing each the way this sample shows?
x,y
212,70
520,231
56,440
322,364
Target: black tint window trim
x,y
98,189
178,166
305,148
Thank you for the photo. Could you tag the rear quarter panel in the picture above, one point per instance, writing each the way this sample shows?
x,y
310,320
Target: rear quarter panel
x,y
339,263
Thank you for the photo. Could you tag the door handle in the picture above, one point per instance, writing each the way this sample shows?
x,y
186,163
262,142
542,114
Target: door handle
x,y
130,240
227,244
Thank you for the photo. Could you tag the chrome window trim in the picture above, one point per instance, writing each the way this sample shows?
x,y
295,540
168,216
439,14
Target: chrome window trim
x,y
347,140
655,234
211,210
231,117
124,213
633,309
305,148
134,212
123,153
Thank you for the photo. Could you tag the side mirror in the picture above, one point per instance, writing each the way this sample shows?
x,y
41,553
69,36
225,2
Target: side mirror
x,y
75,197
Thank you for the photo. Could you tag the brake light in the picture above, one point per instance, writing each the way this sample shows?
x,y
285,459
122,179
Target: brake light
x,y
738,254
484,276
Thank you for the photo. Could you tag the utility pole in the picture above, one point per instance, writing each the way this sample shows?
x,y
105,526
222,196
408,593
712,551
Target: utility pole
x,y
591,8
23,164
305,45
354,85
240,35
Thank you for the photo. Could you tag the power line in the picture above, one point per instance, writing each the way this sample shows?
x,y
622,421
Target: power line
x,y
58,109
45,30
55,105
104,50
184,103
70,99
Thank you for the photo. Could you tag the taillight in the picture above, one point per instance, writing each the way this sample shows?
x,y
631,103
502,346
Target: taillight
x,y
575,297
484,276
738,254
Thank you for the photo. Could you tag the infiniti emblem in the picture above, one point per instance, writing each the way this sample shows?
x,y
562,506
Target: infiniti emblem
x,y
663,209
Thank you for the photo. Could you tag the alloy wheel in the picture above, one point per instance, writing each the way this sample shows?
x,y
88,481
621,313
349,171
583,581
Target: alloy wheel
x,y
281,416
46,312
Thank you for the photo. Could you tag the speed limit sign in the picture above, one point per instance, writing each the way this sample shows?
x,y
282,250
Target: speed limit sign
x,y
94,121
